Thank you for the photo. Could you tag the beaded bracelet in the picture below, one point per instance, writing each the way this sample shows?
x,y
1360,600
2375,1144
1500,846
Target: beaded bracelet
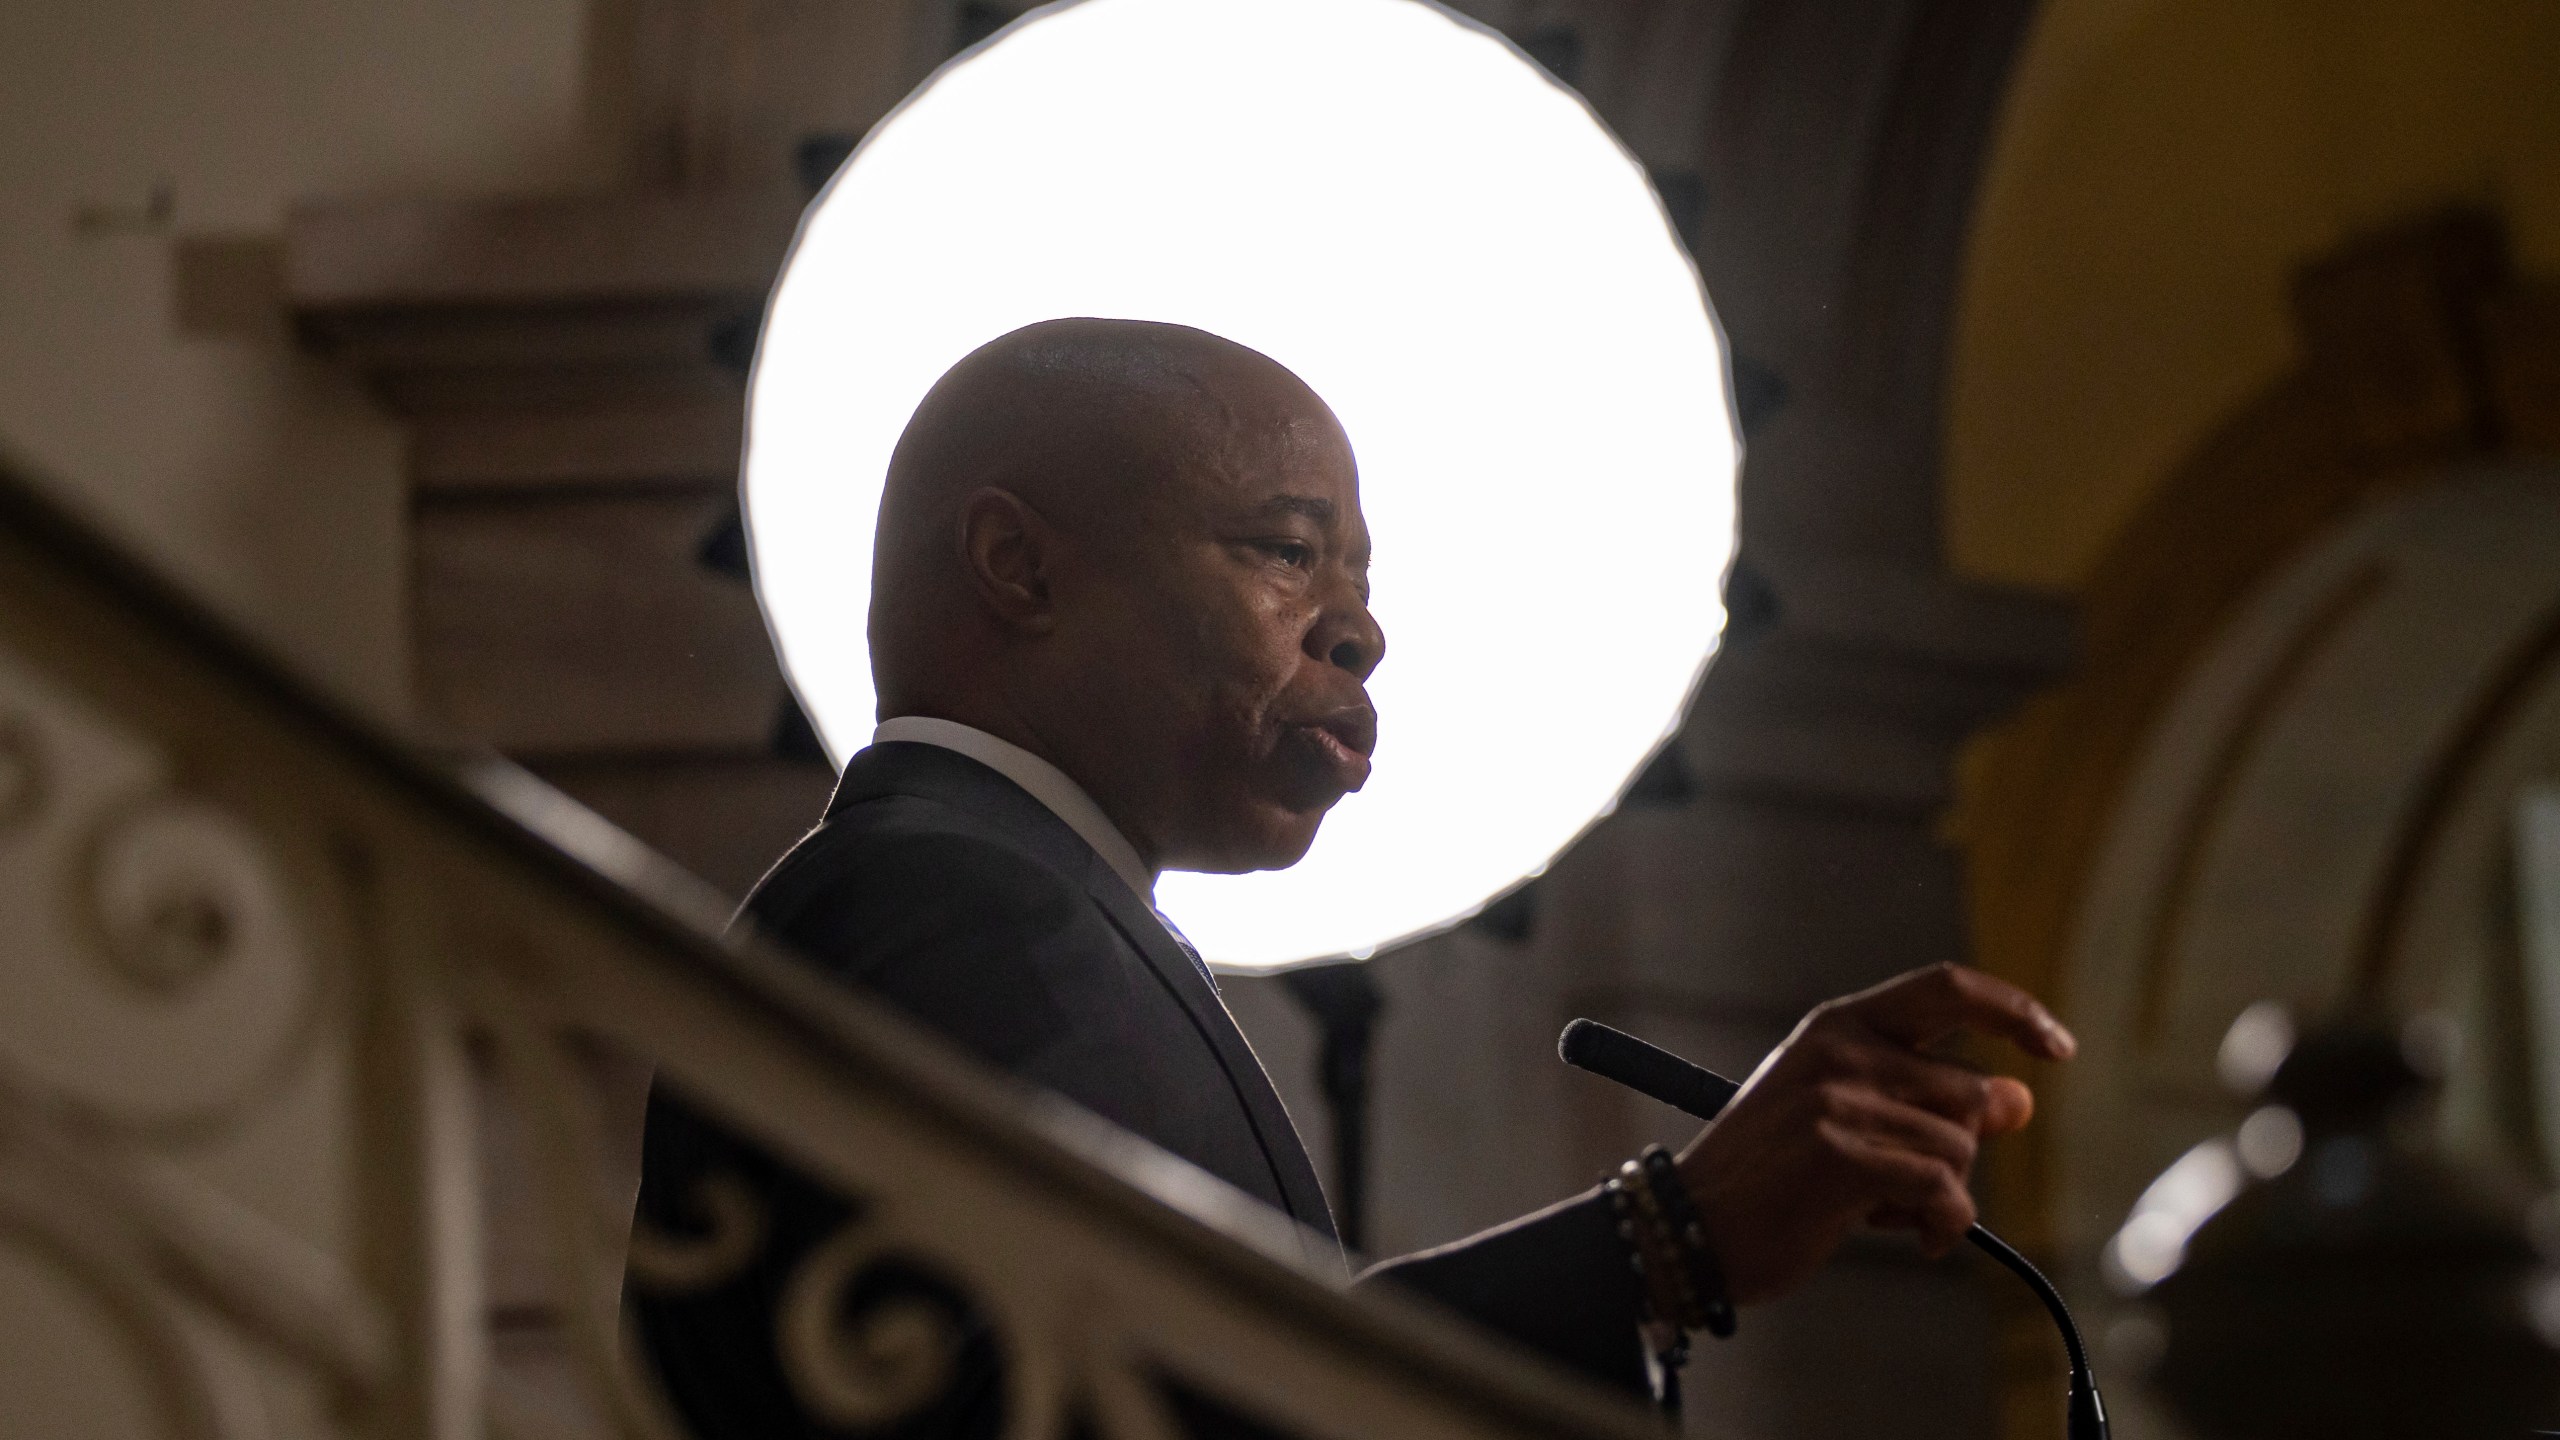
x,y
1652,1250
1679,1210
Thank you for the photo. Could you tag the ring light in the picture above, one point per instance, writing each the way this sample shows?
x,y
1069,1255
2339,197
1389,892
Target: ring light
x,y
1450,248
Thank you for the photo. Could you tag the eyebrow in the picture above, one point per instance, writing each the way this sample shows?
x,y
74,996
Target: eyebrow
x,y
1313,507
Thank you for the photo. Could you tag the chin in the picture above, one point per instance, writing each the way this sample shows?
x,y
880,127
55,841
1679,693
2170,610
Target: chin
x,y
1274,840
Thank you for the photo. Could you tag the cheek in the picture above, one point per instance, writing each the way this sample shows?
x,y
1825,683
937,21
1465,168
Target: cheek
x,y
1244,651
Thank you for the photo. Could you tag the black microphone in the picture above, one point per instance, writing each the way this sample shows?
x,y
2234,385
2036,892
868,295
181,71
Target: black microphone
x,y
1651,1070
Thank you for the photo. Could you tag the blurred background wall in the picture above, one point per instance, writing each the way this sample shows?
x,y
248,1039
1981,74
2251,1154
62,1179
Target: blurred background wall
x,y
2255,362
2142,396
147,361
2160,173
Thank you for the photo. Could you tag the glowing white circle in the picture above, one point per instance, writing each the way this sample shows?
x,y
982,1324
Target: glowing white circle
x,y
1442,241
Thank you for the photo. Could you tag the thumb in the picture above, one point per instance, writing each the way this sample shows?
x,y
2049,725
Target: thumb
x,y
2007,1105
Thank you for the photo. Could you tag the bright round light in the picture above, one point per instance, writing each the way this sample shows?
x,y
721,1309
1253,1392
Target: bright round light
x,y
1443,242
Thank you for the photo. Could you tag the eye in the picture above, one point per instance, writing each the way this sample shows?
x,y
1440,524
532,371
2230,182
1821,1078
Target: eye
x,y
1296,554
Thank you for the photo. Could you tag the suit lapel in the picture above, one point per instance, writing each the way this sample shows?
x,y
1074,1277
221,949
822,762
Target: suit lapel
x,y
1287,1153
934,773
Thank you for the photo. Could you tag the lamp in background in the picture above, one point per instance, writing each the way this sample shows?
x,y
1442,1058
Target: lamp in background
x,y
1442,240
2321,1273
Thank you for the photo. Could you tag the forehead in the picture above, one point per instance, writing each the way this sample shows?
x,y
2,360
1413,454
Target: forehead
x,y
1286,445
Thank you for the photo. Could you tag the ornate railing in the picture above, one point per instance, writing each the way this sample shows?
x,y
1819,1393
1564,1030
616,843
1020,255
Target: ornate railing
x,y
268,978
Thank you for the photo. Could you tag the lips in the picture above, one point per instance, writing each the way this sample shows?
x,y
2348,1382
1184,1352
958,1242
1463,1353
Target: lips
x,y
1356,729
1342,741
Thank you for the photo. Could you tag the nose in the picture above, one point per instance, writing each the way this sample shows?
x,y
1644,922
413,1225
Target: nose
x,y
1347,637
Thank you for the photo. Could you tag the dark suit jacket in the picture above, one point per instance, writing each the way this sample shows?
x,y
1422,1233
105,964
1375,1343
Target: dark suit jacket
x,y
944,889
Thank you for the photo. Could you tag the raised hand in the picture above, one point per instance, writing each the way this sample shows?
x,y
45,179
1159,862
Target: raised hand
x,y
1852,1122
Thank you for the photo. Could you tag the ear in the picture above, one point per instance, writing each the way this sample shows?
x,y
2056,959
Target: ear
x,y
1007,550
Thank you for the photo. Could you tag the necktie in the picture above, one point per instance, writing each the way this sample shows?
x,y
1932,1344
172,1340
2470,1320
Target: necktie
x,y
1191,953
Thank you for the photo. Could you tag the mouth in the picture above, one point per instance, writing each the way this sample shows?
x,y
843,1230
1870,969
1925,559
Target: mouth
x,y
1342,741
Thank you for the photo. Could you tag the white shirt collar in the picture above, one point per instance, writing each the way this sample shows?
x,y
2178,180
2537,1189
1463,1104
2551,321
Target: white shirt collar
x,y
1047,783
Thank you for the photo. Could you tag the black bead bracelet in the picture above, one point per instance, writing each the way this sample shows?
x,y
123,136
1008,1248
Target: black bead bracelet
x,y
1706,1285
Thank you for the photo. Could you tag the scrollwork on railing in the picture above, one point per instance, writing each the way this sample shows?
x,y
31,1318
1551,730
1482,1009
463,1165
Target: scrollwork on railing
x,y
181,984
176,891
730,1223
58,1233
866,1338
160,988
162,1250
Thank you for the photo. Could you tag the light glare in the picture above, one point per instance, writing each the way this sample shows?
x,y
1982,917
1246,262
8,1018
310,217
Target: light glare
x,y
2153,1241
1449,249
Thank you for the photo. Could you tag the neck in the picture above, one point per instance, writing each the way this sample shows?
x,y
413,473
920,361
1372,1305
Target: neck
x,y
1014,726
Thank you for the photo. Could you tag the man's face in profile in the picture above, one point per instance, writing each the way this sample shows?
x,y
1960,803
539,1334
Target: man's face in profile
x,y
1161,582
1244,612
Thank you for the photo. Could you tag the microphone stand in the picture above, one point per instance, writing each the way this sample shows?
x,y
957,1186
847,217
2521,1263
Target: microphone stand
x,y
1651,1070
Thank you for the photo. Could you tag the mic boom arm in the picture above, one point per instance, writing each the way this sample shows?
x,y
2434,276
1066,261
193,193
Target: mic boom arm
x,y
1649,1069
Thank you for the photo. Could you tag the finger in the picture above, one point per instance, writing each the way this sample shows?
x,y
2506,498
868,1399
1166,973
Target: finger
x,y
1926,1006
1895,1217
1937,1086
2008,1106
1944,1223
1937,1233
1986,1104
1883,1119
1928,1191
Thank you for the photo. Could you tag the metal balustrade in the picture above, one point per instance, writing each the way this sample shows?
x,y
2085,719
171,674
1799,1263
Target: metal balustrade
x,y
271,980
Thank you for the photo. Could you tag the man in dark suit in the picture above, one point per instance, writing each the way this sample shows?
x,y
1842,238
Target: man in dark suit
x,y
1119,625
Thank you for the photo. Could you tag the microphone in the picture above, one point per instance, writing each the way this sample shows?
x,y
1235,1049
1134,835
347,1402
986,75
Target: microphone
x,y
1651,1070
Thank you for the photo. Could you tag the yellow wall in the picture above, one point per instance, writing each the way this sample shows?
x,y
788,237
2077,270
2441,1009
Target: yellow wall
x,y
263,480
2162,166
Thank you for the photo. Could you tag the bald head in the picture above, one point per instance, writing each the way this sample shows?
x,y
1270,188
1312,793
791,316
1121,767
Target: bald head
x,y
1094,424
1085,518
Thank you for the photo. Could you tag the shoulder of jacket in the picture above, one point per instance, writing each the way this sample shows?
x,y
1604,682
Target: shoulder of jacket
x,y
892,842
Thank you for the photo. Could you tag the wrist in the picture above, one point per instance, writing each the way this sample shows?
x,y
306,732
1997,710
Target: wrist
x,y
1668,1247
1703,1269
